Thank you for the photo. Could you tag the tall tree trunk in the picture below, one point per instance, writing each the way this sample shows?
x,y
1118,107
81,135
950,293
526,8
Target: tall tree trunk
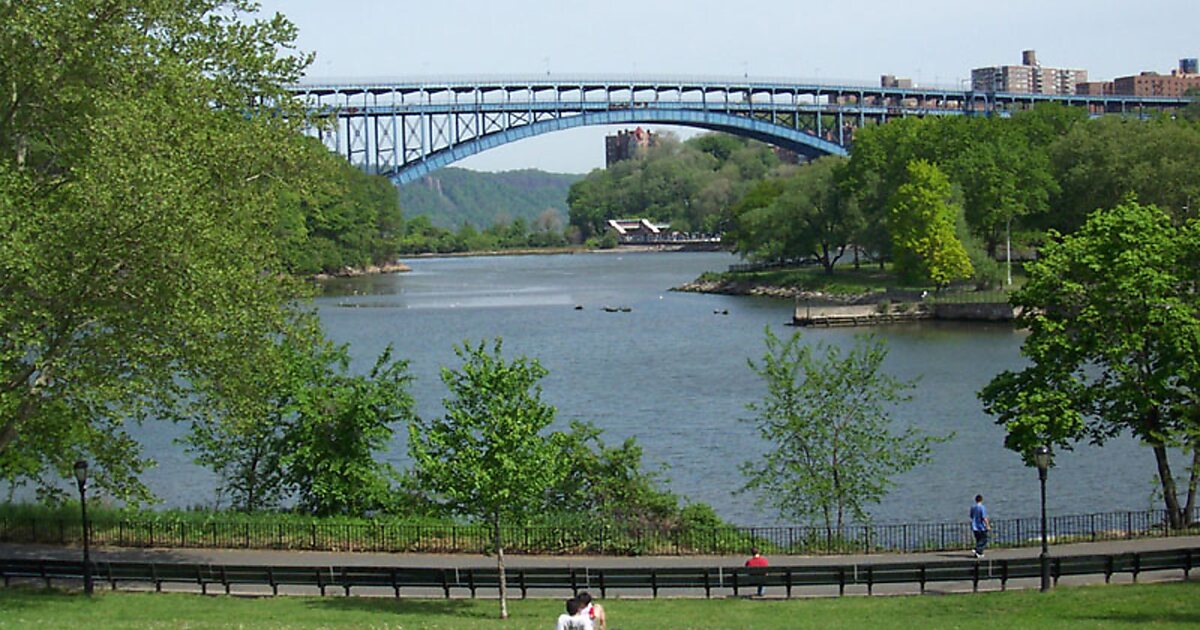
x,y
1193,478
500,566
1168,486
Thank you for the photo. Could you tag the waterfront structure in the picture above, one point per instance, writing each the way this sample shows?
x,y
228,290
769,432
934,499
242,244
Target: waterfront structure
x,y
408,129
1030,77
626,145
636,229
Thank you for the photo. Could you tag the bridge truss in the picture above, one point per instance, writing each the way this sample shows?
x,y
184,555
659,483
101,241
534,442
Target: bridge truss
x,y
407,129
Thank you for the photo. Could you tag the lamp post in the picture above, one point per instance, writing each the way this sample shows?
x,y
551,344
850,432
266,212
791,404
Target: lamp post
x,y
1041,457
81,472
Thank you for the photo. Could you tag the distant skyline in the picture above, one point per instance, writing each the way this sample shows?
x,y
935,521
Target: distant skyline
x,y
933,42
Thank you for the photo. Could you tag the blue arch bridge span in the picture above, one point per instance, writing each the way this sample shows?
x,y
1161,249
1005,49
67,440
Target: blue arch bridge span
x,y
405,129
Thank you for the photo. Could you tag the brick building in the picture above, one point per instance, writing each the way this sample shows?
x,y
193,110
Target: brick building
x,y
625,145
1181,79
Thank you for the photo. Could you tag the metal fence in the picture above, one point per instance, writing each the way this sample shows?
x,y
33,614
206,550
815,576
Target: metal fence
x,y
719,580
575,539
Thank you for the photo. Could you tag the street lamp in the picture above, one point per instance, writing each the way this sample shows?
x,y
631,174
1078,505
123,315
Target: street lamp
x,y
81,472
1041,457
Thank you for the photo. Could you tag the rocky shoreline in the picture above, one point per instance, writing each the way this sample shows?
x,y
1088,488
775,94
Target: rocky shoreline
x,y
738,287
369,270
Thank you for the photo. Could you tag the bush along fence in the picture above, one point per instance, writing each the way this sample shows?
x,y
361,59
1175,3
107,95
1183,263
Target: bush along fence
x,y
317,535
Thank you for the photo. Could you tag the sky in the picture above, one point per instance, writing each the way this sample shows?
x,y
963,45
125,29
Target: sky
x,y
933,42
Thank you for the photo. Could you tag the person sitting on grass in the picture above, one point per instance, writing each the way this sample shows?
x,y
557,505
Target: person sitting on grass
x,y
574,618
592,610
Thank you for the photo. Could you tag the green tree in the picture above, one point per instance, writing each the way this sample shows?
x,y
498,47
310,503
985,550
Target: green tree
x,y
690,185
487,457
1192,110
293,422
609,482
877,168
922,223
827,416
1100,162
342,423
143,160
1114,343
811,216
1003,176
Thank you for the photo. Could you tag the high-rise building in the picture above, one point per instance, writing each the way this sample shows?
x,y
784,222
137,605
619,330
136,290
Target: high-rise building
x,y
1028,78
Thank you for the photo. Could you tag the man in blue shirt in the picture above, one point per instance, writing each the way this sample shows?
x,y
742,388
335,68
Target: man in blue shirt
x,y
980,525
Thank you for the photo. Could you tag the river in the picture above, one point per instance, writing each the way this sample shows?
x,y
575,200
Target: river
x,y
672,372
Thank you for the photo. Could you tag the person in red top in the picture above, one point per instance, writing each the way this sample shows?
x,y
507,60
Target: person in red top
x,y
757,560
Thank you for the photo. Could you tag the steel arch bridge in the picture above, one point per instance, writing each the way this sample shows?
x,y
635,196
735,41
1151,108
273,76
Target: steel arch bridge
x,y
407,129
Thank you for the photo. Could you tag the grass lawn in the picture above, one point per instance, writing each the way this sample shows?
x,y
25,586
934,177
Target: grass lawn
x,y
1170,605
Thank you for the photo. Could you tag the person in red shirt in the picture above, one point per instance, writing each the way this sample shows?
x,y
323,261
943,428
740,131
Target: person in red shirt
x,y
757,560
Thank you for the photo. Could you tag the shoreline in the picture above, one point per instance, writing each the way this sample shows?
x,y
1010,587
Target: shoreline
x,y
758,289
549,251
369,270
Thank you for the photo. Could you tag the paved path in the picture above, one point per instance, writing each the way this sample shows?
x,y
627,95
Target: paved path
x,y
321,558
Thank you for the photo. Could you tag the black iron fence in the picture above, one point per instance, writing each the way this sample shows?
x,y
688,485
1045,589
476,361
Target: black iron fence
x,y
586,539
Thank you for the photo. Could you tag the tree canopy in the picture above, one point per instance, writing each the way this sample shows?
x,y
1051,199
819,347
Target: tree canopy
x,y
688,184
1114,343
922,224
488,456
802,214
143,157
827,417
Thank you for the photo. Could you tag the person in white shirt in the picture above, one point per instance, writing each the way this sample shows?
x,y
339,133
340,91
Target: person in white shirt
x,y
592,610
575,618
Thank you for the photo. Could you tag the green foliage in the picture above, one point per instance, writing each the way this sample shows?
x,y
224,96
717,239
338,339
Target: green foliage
x,y
1114,341
827,417
348,219
142,165
1192,110
295,424
487,457
1099,162
690,185
608,482
451,197
421,236
803,215
922,220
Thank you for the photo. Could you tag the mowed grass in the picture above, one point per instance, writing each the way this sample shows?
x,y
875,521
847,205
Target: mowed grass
x,y
1169,605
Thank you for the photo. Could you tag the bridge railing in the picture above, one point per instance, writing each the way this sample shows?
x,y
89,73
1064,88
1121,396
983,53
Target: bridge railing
x,y
597,538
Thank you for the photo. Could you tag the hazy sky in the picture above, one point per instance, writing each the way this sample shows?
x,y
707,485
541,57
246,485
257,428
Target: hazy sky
x,y
930,41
